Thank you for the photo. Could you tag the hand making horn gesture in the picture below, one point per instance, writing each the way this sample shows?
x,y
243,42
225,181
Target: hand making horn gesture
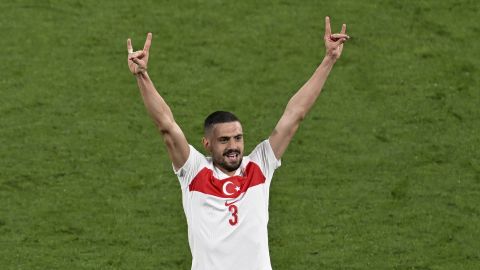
x,y
334,42
138,60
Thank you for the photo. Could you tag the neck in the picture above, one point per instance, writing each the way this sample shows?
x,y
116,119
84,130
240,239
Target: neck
x,y
229,173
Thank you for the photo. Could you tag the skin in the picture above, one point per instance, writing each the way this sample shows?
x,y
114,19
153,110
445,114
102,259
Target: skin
x,y
222,141
296,110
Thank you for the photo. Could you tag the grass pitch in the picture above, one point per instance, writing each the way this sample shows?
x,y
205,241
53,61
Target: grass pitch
x,y
383,174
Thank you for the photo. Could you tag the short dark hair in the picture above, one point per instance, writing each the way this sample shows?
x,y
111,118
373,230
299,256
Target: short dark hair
x,y
217,118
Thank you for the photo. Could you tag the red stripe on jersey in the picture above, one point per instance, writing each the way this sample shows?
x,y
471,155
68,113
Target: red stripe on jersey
x,y
230,187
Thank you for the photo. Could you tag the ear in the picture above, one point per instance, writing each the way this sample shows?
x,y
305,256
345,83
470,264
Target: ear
x,y
206,144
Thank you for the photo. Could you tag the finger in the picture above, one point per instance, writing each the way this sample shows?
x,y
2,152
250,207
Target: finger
x,y
137,61
136,54
148,42
340,42
335,37
328,30
344,29
129,46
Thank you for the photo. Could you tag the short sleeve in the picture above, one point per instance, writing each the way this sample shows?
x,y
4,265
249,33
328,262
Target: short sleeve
x,y
191,167
264,156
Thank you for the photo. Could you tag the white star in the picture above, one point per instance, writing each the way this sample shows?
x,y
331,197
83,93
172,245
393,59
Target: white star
x,y
237,188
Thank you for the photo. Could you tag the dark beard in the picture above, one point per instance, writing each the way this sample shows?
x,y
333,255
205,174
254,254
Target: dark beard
x,y
229,167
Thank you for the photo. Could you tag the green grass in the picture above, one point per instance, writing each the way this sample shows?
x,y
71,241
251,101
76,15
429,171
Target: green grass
x,y
383,174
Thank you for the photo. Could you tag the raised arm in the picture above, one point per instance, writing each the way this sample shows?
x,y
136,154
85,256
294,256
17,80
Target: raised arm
x,y
301,103
177,145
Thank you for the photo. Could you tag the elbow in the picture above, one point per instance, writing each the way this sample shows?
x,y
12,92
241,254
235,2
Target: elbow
x,y
301,115
297,114
165,127
163,131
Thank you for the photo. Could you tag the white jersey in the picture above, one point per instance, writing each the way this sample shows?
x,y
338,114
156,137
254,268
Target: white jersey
x,y
227,216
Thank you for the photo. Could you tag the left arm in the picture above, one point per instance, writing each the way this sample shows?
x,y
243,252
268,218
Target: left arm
x,y
301,103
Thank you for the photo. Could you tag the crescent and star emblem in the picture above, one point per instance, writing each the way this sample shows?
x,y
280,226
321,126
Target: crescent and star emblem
x,y
225,188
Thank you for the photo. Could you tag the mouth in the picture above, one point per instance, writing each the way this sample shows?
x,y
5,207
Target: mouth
x,y
232,156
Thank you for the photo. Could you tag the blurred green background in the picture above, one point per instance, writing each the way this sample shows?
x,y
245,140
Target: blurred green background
x,y
383,174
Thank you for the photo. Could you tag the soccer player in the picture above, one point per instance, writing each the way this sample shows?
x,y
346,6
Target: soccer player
x,y
225,196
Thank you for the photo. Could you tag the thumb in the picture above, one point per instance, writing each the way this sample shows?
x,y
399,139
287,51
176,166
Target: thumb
x,y
339,42
136,54
138,62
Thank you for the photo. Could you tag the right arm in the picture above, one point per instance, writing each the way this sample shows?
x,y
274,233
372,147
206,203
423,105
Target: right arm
x,y
175,141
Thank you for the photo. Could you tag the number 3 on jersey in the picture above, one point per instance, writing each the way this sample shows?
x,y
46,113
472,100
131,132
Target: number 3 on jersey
x,y
234,210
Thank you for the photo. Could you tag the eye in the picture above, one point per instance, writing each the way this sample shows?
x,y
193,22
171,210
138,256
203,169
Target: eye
x,y
238,138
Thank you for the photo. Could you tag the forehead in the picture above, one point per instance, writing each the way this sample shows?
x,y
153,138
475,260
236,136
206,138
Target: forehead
x,y
227,129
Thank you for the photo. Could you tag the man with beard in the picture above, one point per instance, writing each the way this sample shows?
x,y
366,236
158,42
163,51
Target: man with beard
x,y
225,196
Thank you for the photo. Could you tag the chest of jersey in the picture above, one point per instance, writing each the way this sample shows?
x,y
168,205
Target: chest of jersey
x,y
227,216
216,199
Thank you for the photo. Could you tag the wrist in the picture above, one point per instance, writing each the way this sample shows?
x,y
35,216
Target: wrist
x,y
330,58
141,75
329,61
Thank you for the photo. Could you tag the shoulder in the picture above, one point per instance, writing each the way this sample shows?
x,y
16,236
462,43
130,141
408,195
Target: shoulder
x,y
264,156
195,162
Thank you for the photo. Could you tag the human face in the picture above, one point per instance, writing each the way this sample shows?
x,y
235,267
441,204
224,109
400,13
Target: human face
x,y
225,144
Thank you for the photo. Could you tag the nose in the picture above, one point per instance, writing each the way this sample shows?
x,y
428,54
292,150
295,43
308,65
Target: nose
x,y
233,144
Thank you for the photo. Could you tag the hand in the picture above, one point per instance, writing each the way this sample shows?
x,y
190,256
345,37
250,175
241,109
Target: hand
x,y
334,42
137,61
